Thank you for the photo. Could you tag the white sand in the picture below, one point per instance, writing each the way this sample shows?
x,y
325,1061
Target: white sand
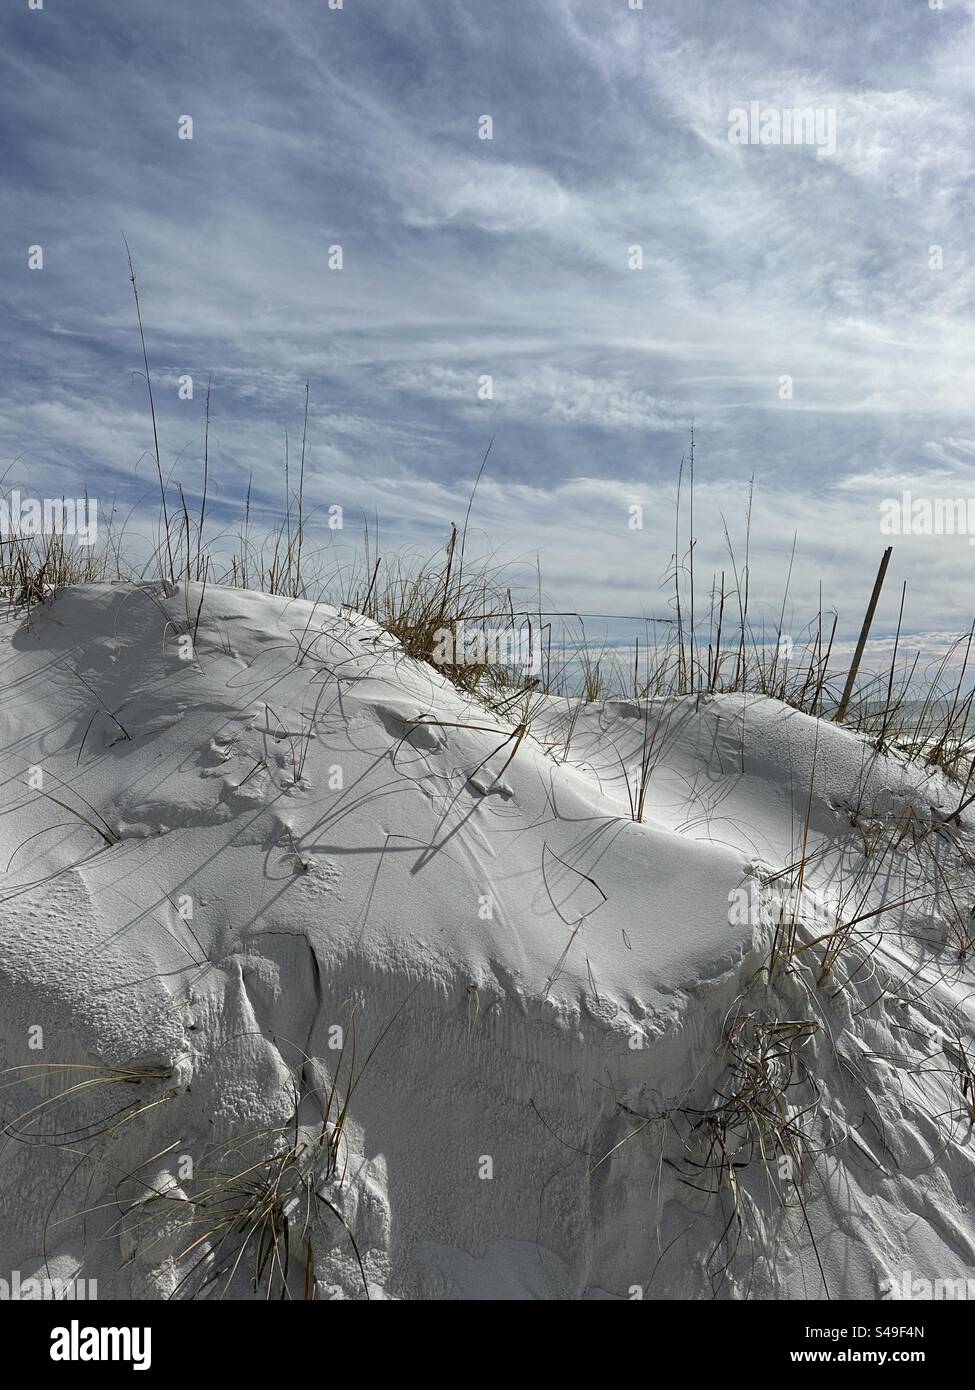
x,y
552,974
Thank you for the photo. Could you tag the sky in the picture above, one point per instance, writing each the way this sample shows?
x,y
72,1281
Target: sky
x,y
806,308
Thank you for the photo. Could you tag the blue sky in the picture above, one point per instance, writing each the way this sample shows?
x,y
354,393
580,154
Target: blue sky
x,y
506,257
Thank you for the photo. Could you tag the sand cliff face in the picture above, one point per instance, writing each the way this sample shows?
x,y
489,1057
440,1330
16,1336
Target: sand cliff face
x,y
315,973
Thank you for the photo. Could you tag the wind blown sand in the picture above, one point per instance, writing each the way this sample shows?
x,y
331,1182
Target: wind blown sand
x,y
318,976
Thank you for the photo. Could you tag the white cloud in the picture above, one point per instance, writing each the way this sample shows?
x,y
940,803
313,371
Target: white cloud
x,y
509,258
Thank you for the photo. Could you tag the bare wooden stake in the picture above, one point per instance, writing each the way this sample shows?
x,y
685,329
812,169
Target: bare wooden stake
x,y
864,633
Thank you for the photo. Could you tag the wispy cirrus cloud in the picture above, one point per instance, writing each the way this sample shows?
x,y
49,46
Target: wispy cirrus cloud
x,y
846,276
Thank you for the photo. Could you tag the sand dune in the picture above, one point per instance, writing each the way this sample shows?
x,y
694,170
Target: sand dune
x,y
317,972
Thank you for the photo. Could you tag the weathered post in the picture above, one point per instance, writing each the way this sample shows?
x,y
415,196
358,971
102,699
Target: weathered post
x,y
864,633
